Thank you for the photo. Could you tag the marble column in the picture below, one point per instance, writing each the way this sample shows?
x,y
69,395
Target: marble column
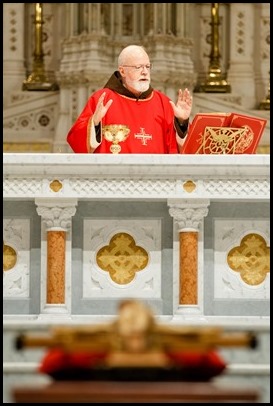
x,y
188,249
188,254
242,51
82,97
13,42
63,124
56,267
56,255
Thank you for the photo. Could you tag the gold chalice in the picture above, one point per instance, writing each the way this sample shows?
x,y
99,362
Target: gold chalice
x,y
115,133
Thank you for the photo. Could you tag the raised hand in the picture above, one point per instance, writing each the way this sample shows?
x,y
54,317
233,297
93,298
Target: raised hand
x,y
101,109
183,106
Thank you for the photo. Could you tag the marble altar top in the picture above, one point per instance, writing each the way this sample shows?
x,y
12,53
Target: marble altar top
x,y
131,165
132,176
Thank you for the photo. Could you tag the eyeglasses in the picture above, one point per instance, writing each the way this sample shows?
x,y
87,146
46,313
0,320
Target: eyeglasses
x,y
139,67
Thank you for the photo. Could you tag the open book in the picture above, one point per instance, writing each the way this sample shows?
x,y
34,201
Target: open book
x,y
223,133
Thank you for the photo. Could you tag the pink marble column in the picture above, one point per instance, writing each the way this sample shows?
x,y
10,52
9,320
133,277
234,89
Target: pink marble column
x,y
189,216
188,268
56,267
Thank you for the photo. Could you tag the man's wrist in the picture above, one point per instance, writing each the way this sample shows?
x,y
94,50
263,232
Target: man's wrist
x,y
98,133
183,125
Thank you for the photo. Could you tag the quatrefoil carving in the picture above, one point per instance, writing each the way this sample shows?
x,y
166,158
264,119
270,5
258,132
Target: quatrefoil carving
x,y
251,259
122,258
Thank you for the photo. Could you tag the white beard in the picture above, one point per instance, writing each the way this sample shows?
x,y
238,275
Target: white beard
x,y
138,86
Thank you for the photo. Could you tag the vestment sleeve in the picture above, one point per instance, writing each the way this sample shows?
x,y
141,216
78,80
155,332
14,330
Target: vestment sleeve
x,y
84,137
181,132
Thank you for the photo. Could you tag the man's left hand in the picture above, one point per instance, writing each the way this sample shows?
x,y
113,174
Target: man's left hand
x,y
183,106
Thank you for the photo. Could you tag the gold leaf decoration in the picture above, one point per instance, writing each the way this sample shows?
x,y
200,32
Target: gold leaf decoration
x,y
189,186
122,258
55,185
9,257
251,259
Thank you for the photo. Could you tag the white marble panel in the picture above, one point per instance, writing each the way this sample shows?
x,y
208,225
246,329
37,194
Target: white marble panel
x,y
228,283
97,234
16,234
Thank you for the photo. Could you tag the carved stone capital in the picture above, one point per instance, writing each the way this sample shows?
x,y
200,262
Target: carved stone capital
x,y
56,215
188,214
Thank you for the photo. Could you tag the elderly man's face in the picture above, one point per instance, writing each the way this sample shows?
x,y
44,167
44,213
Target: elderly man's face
x,y
136,73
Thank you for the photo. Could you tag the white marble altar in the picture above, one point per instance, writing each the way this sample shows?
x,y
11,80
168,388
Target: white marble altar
x,y
97,195
154,200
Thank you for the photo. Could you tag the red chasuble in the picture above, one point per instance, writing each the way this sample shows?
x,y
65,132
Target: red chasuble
x,y
151,123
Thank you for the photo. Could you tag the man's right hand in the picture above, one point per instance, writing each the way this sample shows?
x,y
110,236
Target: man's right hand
x,y
101,109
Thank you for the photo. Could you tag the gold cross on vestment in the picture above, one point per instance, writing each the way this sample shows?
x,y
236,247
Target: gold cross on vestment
x,y
144,137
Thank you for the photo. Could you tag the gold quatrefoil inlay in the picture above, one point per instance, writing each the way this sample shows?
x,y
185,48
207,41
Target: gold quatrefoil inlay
x,y
9,257
122,258
251,259
189,186
55,185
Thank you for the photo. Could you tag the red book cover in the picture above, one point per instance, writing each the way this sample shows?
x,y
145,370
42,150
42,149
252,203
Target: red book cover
x,y
254,127
194,141
223,133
